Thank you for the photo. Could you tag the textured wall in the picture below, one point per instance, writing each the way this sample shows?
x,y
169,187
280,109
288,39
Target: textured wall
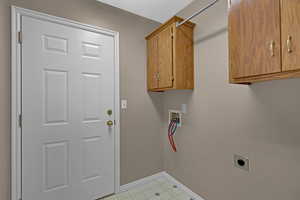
x,y
260,121
141,144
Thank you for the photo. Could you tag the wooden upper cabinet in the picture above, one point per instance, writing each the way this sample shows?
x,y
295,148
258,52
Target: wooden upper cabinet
x,y
290,20
171,57
264,40
254,37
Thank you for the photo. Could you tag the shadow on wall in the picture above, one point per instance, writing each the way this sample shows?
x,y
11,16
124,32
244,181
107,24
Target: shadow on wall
x,y
278,103
156,100
211,35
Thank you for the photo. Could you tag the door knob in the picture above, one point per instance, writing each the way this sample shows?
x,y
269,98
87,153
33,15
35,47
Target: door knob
x,y
109,112
109,123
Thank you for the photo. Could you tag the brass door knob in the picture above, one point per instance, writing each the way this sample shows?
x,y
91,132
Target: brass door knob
x,y
109,123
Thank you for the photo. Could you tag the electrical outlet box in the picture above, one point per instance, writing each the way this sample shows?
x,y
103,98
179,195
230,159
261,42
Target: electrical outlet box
x,y
175,115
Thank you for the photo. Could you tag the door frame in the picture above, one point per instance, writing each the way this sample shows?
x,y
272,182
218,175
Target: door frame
x,y
16,92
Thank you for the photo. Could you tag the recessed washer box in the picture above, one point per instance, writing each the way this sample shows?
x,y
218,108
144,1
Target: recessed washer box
x,y
175,115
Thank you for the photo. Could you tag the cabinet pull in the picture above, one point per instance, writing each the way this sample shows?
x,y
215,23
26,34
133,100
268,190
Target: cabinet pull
x,y
156,76
289,44
272,48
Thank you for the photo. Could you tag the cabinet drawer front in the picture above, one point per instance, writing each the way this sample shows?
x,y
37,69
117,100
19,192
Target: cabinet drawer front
x,y
254,37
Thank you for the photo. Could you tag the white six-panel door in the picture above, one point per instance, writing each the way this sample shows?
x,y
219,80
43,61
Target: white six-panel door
x,y
67,90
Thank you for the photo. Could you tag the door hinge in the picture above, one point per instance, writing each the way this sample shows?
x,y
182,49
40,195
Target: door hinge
x,y
20,120
20,38
229,3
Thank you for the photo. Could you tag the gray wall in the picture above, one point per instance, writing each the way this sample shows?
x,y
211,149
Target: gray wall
x,y
260,121
141,143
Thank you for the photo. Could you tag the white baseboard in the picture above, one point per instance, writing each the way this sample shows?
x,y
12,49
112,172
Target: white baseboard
x,y
165,175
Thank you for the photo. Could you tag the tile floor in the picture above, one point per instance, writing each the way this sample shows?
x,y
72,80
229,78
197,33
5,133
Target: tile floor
x,y
160,189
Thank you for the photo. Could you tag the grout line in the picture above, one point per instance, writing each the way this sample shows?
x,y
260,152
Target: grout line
x,y
141,182
182,186
166,176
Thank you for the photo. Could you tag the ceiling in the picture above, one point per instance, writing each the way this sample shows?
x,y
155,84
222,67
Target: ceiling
x,y
157,10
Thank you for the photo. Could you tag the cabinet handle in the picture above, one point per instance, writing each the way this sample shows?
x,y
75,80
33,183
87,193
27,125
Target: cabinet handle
x,y
158,76
289,44
272,47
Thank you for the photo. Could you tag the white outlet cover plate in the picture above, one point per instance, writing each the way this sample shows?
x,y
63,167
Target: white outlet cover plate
x,y
123,104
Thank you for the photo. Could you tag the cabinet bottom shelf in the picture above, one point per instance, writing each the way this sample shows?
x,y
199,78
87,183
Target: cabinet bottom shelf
x,y
266,77
167,89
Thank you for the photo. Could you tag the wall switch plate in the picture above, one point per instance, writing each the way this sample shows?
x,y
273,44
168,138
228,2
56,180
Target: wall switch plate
x,y
241,162
123,104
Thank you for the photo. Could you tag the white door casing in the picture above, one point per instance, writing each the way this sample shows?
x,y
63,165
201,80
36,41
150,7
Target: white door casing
x,y
69,82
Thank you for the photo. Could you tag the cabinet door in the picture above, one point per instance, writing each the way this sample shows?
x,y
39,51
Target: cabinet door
x,y
290,20
254,37
165,57
152,69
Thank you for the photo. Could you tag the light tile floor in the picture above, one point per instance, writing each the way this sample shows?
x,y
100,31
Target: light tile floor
x,y
160,189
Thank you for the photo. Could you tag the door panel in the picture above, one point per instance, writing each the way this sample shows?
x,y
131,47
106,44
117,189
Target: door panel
x,y
165,57
56,96
254,29
152,74
290,20
56,165
67,87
